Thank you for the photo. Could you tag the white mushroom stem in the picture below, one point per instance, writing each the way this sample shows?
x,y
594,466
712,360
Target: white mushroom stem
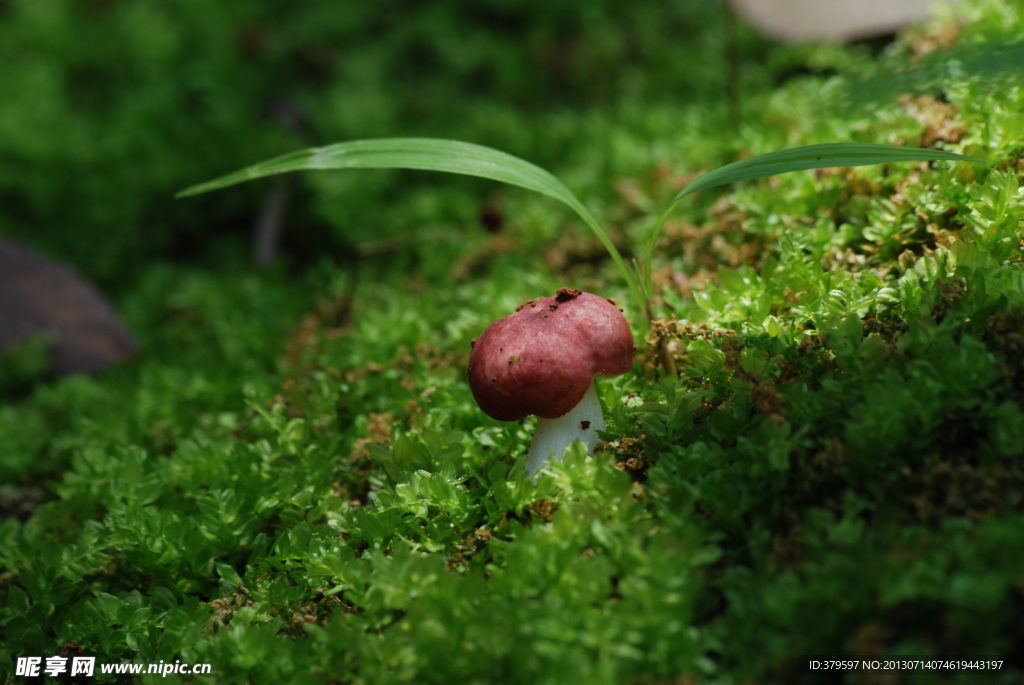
x,y
554,435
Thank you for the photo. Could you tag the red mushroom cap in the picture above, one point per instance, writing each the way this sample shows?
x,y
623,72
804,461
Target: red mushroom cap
x,y
542,359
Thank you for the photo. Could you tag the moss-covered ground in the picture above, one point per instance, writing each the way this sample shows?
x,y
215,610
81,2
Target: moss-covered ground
x,y
818,452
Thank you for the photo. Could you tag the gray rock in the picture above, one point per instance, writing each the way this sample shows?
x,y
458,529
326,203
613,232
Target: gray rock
x,y
38,296
797,21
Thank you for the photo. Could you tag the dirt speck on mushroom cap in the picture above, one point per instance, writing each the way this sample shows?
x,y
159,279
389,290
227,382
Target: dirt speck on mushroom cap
x,y
542,359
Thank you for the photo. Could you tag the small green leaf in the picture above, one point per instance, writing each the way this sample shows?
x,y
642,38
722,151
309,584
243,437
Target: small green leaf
x,y
731,280
17,600
652,408
853,329
228,574
771,326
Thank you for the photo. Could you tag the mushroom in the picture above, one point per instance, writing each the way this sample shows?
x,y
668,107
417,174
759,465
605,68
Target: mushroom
x,y
542,360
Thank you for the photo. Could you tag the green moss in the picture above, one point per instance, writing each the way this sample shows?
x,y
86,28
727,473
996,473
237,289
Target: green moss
x,y
818,452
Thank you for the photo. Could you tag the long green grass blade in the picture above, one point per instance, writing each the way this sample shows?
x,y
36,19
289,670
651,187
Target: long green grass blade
x,y
403,153
815,157
429,154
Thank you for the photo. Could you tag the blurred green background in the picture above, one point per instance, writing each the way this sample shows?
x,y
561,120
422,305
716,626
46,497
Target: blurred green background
x,y
111,106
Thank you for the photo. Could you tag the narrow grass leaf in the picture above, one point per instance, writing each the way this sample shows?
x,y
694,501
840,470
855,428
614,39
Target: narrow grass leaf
x,y
403,153
816,157
429,154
